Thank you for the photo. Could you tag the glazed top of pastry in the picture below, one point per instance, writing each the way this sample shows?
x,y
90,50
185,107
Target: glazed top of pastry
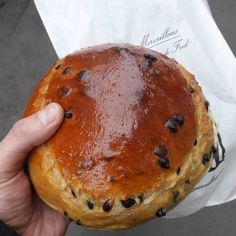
x,y
129,119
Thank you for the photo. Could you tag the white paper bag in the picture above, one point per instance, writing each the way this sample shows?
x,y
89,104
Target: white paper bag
x,y
181,29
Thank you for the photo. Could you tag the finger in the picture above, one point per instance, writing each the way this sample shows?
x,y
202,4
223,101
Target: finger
x,y
25,135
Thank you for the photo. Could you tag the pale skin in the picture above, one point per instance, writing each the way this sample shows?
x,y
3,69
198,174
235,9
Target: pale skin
x,y
20,207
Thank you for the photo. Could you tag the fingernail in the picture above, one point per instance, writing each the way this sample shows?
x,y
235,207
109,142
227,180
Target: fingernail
x,y
49,114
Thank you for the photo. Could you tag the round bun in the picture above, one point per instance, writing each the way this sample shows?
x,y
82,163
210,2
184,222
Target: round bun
x,y
137,136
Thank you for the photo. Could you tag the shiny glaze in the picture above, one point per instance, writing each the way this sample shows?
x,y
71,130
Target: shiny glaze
x,y
120,107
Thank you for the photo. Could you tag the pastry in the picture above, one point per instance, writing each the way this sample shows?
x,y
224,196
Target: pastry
x,y
137,136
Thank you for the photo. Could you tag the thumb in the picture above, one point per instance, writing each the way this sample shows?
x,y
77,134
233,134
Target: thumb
x,y
25,135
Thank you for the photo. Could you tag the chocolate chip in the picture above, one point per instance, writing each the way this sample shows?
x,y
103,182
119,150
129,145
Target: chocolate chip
x,y
175,196
179,119
187,181
109,154
207,104
64,91
78,222
106,206
90,205
161,212
154,72
141,198
122,49
178,170
111,178
206,158
65,213
160,151
170,124
73,193
150,57
66,70
191,89
164,162
68,115
214,149
57,67
128,202
195,142
82,75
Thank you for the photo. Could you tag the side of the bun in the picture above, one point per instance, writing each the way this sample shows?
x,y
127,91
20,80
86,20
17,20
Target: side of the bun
x,y
112,214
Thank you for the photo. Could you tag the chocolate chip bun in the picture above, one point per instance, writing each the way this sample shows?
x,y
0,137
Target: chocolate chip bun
x,y
137,136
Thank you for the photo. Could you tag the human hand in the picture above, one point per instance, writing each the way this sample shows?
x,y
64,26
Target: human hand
x,y
20,208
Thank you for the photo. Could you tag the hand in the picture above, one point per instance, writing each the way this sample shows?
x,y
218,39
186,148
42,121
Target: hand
x,y
20,207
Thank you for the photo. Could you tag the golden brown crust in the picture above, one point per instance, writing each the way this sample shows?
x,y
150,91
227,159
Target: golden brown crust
x,y
103,165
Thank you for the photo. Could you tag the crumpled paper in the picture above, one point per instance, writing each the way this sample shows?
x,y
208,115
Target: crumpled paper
x,y
182,29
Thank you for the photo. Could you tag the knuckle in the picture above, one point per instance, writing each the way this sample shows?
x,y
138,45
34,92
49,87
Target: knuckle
x,y
20,129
